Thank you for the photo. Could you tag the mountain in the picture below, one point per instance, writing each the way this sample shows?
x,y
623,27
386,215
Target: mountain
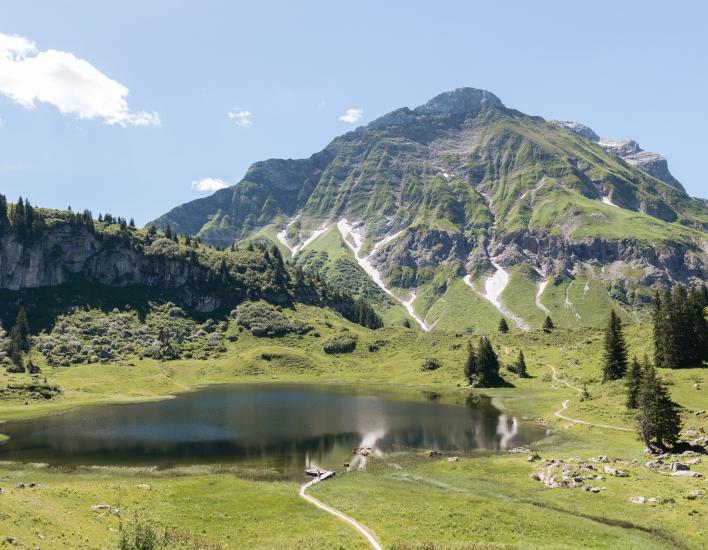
x,y
629,151
462,210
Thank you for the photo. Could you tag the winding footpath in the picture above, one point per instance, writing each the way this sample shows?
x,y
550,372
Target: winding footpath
x,y
336,513
564,406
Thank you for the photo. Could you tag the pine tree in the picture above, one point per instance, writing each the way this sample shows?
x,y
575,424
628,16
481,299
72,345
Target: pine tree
x,y
521,366
548,325
20,330
4,220
634,381
658,420
614,360
487,372
470,364
503,326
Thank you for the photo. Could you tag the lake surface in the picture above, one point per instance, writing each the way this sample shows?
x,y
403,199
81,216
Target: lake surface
x,y
283,427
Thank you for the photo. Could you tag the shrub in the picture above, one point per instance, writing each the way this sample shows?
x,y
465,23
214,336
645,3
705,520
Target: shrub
x,y
265,320
431,364
339,344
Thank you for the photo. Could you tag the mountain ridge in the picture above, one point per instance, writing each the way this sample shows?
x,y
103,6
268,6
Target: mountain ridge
x,y
469,186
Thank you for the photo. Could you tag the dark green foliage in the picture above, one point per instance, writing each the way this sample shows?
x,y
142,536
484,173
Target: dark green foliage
x,y
658,421
265,320
680,328
138,535
431,364
614,357
32,390
486,372
503,326
339,344
521,366
470,363
548,325
634,382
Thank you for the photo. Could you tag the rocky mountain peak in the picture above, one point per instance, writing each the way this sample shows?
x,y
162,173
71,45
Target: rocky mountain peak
x,y
461,101
577,128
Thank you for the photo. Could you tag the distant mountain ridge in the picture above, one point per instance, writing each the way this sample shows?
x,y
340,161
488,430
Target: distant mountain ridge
x,y
445,197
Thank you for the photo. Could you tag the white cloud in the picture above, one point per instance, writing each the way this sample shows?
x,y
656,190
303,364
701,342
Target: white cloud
x,y
209,184
352,116
71,84
241,118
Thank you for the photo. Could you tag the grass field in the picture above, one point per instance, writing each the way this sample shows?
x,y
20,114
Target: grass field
x,y
484,499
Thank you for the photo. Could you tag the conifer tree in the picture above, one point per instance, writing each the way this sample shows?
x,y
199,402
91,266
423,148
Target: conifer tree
x,y
503,326
548,325
487,372
658,421
470,364
521,366
20,331
634,381
614,360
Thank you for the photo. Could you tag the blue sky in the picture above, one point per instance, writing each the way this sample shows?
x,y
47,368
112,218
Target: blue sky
x,y
214,86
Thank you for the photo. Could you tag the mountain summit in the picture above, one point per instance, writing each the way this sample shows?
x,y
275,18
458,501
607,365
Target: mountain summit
x,y
462,210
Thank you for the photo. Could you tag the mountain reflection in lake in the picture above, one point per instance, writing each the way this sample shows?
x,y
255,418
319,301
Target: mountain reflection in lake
x,y
284,427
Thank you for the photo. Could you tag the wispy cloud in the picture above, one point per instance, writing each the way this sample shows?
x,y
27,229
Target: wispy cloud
x,y
71,84
2,122
352,116
209,184
241,118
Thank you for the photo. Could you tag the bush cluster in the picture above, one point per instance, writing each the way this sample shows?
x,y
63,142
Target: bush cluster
x,y
265,320
339,344
96,336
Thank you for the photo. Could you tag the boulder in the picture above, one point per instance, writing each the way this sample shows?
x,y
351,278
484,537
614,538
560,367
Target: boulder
x,y
687,473
637,500
678,466
615,472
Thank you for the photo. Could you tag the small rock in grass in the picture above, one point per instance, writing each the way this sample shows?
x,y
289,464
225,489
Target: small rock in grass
x,y
533,457
687,473
599,458
637,500
678,466
20,485
694,495
143,486
615,472
453,459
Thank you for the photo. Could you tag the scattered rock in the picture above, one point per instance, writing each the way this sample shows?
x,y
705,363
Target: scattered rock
x,y
533,457
520,450
637,500
694,495
106,508
687,473
453,459
33,485
693,461
615,472
599,458
143,486
432,453
9,539
678,466
20,485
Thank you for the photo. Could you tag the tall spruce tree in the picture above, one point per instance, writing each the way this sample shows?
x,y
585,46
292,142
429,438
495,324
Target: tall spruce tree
x,y
658,421
614,359
503,325
487,372
521,366
634,382
470,364
548,325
